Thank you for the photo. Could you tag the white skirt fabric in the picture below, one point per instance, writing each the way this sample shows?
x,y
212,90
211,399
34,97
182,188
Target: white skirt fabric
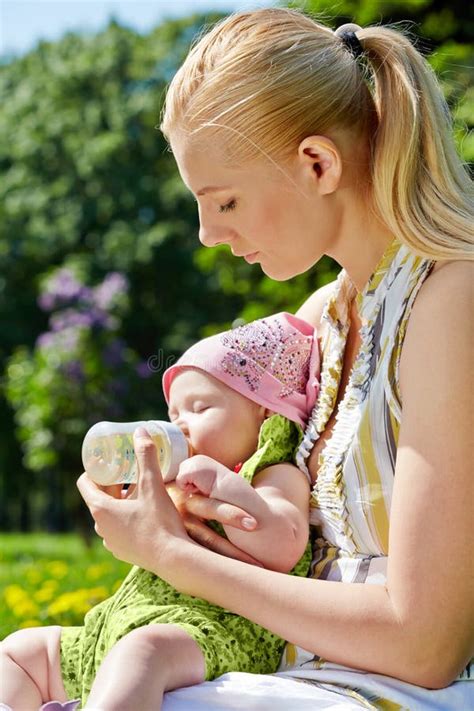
x,y
256,692
335,688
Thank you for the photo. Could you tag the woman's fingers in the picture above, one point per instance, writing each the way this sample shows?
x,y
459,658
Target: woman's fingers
x,y
215,510
208,538
100,503
114,490
130,493
150,478
91,492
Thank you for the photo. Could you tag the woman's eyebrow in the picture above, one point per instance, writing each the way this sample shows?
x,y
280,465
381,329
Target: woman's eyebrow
x,y
212,189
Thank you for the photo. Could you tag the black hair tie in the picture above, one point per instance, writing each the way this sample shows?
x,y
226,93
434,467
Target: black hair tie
x,y
347,35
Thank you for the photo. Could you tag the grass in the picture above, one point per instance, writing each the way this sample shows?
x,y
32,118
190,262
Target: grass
x,y
48,579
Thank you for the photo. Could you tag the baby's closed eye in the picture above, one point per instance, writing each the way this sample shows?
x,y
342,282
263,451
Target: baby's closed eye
x,y
200,406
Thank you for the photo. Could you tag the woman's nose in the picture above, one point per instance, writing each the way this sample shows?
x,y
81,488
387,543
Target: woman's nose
x,y
210,236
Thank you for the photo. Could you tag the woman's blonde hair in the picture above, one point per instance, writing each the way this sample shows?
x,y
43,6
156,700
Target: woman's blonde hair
x,y
267,79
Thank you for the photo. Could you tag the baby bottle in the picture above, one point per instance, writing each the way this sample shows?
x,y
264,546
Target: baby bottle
x,y
109,458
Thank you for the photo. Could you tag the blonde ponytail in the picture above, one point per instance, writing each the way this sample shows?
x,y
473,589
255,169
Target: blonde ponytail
x,y
265,80
420,187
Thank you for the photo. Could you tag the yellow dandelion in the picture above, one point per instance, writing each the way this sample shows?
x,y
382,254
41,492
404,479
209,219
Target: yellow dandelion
x,y
63,603
26,608
94,572
14,594
44,594
57,568
77,602
51,584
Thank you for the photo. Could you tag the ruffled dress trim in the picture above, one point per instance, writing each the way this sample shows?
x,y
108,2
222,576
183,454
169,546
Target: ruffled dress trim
x,y
328,492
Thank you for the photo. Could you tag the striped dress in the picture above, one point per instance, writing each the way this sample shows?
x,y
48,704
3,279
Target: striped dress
x,y
350,505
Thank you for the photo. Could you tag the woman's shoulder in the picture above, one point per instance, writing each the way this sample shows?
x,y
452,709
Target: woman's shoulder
x,y
442,308
312,309
450,281
460,267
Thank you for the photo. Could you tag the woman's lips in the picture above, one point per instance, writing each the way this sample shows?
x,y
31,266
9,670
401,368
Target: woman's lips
x,y
251,258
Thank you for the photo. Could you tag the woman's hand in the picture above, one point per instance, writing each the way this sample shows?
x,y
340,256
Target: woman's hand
x,y
195,507
144,528
120,525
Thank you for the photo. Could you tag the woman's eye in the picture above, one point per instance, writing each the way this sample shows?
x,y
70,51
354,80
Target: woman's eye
x,y
230,206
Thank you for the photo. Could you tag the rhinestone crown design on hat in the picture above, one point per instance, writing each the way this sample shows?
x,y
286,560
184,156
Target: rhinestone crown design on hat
x,y
273,361
263,346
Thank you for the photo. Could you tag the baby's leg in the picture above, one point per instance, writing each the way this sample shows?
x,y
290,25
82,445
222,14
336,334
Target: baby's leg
x,y
30,668
144,664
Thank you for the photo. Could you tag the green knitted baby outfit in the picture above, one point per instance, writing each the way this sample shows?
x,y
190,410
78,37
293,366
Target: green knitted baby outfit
x,y
228,642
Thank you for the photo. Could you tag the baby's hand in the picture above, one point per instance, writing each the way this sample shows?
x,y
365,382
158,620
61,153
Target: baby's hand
x,y
203,475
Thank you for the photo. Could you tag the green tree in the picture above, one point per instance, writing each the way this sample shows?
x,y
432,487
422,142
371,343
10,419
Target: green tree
x,y
88,183
89,187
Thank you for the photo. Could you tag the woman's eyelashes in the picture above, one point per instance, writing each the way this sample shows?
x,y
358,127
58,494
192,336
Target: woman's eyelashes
x,y
230,206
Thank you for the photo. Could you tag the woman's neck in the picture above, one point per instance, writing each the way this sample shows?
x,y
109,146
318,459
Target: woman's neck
x,y
360,247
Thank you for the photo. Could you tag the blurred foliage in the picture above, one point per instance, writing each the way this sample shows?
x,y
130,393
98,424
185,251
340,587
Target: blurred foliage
x,y
53,579
89,195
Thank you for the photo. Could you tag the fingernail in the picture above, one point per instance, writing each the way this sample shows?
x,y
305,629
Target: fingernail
x,y
141,432
249,522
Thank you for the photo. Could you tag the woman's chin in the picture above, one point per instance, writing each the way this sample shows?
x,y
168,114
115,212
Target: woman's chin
x,y
279,273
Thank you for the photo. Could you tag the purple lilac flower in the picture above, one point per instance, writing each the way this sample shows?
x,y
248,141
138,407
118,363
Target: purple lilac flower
x,y
143,369
46,301
74,370
66,339
61,289
72,318
45,340
106,293
69,338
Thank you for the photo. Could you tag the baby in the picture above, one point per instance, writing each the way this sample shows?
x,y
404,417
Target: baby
x,y
242,399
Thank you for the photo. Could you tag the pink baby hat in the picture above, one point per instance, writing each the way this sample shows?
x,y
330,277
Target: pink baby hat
x,y
273,361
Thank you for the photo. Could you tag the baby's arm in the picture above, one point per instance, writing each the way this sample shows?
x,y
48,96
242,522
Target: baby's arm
x,y
278,498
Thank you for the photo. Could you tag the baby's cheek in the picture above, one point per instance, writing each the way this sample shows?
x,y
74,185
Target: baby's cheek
x,y
214,444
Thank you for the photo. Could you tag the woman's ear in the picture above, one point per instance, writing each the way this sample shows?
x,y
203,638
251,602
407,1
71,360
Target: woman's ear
x,y
321,162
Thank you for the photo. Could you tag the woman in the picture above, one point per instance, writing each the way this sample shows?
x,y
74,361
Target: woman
x,y
299,142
